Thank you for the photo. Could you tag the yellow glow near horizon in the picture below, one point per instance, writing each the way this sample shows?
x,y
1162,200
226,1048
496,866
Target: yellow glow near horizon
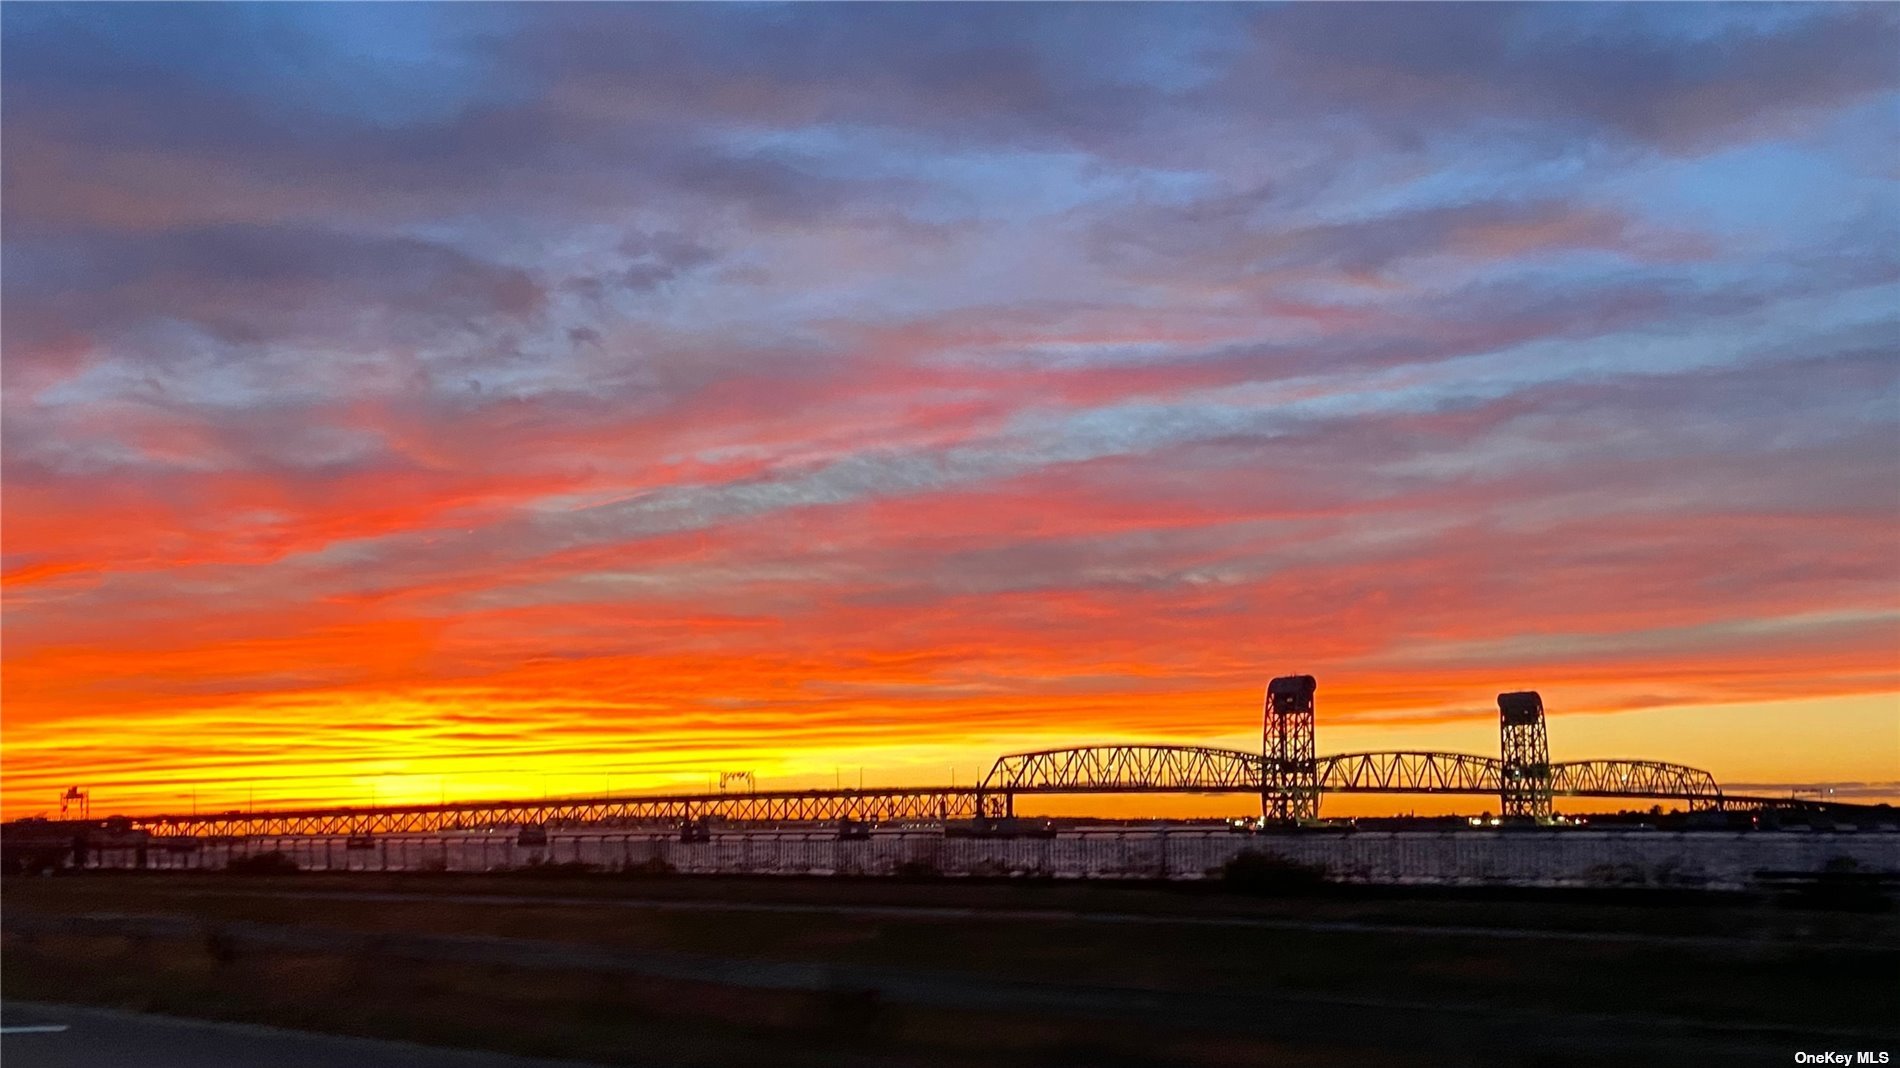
x,y
1852,739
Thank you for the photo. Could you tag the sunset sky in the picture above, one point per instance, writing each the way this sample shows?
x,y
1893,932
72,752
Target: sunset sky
x,y
480,400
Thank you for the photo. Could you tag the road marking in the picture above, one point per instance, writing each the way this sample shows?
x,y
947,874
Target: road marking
x,y
33,1029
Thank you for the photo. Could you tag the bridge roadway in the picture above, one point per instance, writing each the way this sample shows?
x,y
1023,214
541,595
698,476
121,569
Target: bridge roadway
x,y
1120,769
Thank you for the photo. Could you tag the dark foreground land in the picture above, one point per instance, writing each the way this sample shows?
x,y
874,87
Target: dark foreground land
x,y
690,971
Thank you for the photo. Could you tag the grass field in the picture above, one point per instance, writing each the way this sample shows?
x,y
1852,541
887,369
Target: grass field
x,y
695,970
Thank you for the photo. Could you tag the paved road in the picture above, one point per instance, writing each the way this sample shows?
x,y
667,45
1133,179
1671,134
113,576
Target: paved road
x,y
35,1035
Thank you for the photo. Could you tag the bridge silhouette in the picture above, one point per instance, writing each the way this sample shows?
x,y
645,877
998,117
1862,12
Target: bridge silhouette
x,y
1286,775
1200,769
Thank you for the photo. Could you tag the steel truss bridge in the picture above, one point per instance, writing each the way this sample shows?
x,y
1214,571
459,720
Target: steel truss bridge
x,y
1286,775
1104,769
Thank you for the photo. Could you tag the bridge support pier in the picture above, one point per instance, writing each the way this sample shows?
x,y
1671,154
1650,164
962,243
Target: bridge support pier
x,y
1525,747
1289,777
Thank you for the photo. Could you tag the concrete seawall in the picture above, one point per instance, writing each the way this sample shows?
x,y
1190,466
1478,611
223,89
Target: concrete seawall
x,y
1724,861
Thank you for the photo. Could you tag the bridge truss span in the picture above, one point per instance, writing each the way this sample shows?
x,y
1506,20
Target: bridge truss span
x,y
1125,769
1180,768
1410,772
1204,769
922,805
1635,778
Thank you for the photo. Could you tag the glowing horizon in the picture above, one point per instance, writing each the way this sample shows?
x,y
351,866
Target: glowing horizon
x,y
430,402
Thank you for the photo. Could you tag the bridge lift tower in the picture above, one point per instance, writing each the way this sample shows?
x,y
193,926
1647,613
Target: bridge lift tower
x,y
1289,772
1525,748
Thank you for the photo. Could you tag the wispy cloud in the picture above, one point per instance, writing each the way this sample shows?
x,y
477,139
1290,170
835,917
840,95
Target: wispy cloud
x,y
401,394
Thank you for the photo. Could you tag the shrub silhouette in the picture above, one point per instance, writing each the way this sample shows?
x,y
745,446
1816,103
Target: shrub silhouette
x,y
1256,872
271,863
917,870
650,866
